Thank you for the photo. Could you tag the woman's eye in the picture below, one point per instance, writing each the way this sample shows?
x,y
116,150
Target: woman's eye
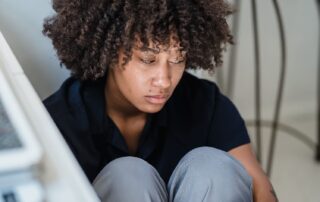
x,y
147,61
178,61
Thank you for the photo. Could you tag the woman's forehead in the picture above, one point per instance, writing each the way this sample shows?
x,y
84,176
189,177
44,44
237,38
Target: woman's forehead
x,y
156,48
159,46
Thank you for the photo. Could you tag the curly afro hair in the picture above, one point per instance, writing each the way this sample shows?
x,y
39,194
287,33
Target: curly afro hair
x,y
88,34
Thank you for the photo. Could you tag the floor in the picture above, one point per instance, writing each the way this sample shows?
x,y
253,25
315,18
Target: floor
x,y
295,173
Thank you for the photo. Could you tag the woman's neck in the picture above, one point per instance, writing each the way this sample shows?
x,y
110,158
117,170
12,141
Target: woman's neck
x,y
129,120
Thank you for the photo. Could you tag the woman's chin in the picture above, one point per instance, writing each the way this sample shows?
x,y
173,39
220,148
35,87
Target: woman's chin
x,y
151,109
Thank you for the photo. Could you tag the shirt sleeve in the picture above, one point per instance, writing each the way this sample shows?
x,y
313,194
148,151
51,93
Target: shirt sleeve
x,y
227,127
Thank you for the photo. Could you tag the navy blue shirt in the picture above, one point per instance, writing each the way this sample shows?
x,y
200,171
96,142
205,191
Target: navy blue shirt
x,y
196,115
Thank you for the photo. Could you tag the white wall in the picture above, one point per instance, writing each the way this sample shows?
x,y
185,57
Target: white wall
x,y
21,23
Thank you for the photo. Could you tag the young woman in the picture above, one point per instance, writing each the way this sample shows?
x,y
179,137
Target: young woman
x,y
140,126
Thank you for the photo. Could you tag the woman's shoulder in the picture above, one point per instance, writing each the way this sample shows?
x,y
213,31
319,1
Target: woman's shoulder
x,y
71,95
67,108
65,98
201,106
195,92
190,80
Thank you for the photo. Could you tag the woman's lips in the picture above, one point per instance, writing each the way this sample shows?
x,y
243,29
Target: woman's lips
x,y
156,99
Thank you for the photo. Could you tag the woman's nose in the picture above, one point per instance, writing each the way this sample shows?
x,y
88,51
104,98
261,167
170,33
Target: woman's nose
x,y
163,77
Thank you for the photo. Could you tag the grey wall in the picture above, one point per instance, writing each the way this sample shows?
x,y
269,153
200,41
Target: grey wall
x,y
302,34
21,24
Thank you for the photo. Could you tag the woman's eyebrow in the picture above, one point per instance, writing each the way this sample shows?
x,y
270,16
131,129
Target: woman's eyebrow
x,y
146,49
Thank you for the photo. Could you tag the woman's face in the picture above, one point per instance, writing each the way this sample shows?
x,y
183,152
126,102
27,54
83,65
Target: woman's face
x,y
148,80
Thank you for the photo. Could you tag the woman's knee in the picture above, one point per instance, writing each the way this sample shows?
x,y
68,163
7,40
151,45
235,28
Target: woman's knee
x,y
129,178
208,161
125,168
209,167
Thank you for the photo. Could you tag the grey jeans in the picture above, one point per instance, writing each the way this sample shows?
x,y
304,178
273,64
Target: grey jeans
x,y
203,174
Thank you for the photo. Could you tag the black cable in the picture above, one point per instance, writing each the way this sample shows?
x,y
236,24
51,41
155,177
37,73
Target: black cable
x,y
280,89
257,79
233,52
289,130
318,89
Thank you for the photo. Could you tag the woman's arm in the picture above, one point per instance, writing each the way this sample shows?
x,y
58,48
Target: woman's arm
x,y
262,188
